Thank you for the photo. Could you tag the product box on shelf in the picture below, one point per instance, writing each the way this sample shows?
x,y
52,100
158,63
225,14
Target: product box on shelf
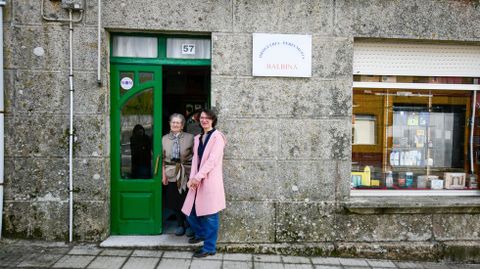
x,y
455,181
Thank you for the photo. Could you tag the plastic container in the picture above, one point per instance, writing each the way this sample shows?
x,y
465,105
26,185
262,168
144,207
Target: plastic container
x,y
389,180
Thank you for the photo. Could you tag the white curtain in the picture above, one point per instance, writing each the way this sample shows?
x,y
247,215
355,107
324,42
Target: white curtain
x,y
135,46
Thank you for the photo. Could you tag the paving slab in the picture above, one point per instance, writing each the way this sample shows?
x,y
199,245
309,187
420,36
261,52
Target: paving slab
x,y
107,262
141,263
237,257
147,253
407,265
326,260
267,258
381,263
295,259
354,262
431,265
206,264
297,266
167,240
167,263
116,252
40,260
237,265
327,266
268,265
12,259
84,250
74,261
178,254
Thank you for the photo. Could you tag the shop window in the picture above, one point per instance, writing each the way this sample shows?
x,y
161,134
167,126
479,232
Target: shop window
x,y
415,139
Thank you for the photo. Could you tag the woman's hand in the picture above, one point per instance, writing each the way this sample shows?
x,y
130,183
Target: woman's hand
x,y
164,180
193,184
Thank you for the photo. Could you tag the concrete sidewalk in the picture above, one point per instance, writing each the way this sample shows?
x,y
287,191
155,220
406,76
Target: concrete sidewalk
x,y
28,254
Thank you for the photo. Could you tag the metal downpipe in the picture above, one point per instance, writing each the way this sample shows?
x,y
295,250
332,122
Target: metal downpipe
x,y
2,114
70,132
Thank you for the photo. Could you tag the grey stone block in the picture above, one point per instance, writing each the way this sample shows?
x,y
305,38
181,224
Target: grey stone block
x,y
85,49
237,257
168,263
85,250
135,262
147,253
105,262
116,252
304,222
231,54
267,258
326,260
381,264
320,139
29,179
23,138
297,266
27,12
306,180
261,141
237,265
247,221
166,15
177,254
354,262
46,220
375,228
454,226
283,16
89,98
343,180
332,57
295,259
404,265
250,180
90,136
90,179
206,264
282,97
408,19
268,265
73,261
9,91
327,267
92,220
40,260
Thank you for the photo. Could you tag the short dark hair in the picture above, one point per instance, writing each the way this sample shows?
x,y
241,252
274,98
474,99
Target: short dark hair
x,y
210,113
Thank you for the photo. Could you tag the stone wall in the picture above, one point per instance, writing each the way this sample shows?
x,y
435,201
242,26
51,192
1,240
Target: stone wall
x,y
287,163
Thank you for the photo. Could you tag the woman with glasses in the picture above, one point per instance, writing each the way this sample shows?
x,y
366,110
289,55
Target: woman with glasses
x,y
206,195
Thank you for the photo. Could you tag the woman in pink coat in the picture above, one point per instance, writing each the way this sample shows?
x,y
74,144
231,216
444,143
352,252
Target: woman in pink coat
x,y
206,195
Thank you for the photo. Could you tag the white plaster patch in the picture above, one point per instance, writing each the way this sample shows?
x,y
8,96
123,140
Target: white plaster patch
x,y
39,51
96,176
20,91
294,188
95,154
48,198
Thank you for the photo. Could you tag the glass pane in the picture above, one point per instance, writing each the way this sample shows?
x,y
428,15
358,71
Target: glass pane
x,y
135,46
126,77
422,143
145,77
136,136
188,48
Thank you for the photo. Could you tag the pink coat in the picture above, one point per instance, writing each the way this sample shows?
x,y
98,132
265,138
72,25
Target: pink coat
x,y
210,194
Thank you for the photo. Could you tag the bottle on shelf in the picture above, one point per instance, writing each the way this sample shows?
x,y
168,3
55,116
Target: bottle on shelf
x,y
389,180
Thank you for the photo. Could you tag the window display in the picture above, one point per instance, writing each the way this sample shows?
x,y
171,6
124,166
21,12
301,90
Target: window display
x,y
421,140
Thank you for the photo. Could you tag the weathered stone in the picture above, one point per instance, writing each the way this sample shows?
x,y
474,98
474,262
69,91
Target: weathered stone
x,y
304,222
90,220
71,261
282,97
462,251
9,91
332,57
408,19
306,180
166,15
29,11
90,180
85,49
250,180
38,135
231,54
88,96
320,139
377,228
34,179
390,250
260,142
343,185
283,16
456,226
40,220
247,221
89,136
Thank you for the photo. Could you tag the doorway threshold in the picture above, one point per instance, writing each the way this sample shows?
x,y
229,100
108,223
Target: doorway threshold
x,y
165,241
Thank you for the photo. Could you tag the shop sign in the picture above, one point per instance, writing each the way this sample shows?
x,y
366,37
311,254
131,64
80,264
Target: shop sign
x,y
279,55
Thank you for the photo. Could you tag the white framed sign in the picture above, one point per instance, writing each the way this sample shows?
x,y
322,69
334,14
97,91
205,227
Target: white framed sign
x,y
126,83
188,49
279,55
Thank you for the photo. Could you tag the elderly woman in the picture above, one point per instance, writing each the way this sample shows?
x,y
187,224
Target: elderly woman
x,y
177,156
206,195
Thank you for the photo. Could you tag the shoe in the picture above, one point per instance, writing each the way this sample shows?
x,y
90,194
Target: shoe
x,y
180,231
194,240
189,232
202,254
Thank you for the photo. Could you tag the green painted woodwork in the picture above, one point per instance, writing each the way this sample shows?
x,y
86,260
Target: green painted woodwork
x,y
136,204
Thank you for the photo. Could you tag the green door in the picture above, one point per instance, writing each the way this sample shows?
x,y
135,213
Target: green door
x,y
136,122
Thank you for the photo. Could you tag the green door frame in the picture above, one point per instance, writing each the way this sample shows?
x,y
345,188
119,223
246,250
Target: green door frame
x,y
119,185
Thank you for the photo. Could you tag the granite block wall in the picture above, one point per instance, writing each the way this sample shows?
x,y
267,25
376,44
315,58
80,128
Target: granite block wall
x,y
287,162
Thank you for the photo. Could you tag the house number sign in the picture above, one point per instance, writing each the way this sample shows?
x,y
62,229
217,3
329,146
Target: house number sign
x,y
188,49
